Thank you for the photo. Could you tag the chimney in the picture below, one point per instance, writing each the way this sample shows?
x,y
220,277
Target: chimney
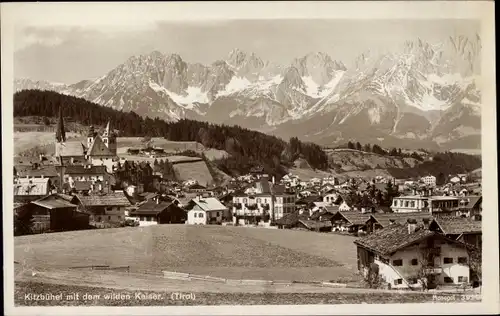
x,y
414,191
157,200
412,226
273,180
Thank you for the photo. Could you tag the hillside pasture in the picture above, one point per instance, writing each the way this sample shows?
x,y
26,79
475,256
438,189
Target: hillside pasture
x,y
197,170
24,141
229,252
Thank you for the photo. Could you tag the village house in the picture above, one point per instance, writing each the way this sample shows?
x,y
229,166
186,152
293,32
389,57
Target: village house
x,y
30,189
157,211
55,212
425,202
349,221
206,211
470,206
38,171
263,202
291,220
465,230
379,221
109,208
409,256
429,180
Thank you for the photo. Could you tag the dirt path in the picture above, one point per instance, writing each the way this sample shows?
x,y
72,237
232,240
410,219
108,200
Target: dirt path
x,y
145,282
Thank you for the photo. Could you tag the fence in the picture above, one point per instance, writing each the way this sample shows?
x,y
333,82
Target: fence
x,y
103,267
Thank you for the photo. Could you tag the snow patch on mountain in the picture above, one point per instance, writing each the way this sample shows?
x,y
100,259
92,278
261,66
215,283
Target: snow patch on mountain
x,y
236,84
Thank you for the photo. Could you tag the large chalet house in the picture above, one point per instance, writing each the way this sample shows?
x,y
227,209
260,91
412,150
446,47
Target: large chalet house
x,y
425,201
108,209
157,211
265,202
204,211
411,256
30,189
54,212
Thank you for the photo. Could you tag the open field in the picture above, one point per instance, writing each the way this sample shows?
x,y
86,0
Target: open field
x,y
193,170
101,297
229,252
26,140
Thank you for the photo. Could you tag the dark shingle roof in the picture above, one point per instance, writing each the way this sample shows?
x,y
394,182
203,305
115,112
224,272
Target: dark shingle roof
x,y
353,217
471,201
46,171
151,207
392,238
110,199
311,224
80,169
384,219
458,225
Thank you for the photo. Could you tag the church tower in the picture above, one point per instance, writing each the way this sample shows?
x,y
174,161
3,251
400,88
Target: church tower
x,y
90,136
109,139
60,133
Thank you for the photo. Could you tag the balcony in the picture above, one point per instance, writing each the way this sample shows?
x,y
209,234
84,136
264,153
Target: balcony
x,y
433,270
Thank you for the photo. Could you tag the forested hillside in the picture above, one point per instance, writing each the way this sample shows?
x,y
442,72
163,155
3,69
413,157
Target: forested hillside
x,y
248,149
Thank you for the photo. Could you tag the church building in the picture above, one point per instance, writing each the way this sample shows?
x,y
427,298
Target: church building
x,y
99,150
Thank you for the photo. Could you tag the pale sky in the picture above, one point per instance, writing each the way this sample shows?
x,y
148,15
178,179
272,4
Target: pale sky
x,y
69,50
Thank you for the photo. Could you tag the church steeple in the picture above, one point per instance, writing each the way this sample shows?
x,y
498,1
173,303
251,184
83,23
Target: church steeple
x,y
60,133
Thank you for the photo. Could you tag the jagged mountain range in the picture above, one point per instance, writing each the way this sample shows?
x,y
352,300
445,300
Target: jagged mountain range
x,y
423,95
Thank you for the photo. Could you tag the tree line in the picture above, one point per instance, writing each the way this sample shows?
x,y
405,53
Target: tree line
x,y
376,149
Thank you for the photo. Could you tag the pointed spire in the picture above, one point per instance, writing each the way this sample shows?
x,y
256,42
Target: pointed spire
x,y
60,133
107,130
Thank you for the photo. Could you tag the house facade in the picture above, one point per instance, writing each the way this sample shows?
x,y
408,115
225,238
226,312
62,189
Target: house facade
x,y
410,256
156,211
429,180
205,211
110,208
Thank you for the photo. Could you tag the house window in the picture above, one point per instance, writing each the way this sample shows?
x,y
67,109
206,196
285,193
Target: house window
x,y
412,203
218,214
463,279
397,263
195,215
447,260
414,262
448,280
244,200
398,281
200,215
395,202
413,280
258,200
119,217
462,260
109,218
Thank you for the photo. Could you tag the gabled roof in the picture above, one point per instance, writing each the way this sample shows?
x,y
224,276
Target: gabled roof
x,y
392,238
97,148
309,199
70,149
46,171
290,219
151,207
384,219
472,201
353,217
311,224
209,204
110,199
55,201
88,169
457,225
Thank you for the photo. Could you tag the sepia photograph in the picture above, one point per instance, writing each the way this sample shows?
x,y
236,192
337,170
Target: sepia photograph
x,y
254,157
